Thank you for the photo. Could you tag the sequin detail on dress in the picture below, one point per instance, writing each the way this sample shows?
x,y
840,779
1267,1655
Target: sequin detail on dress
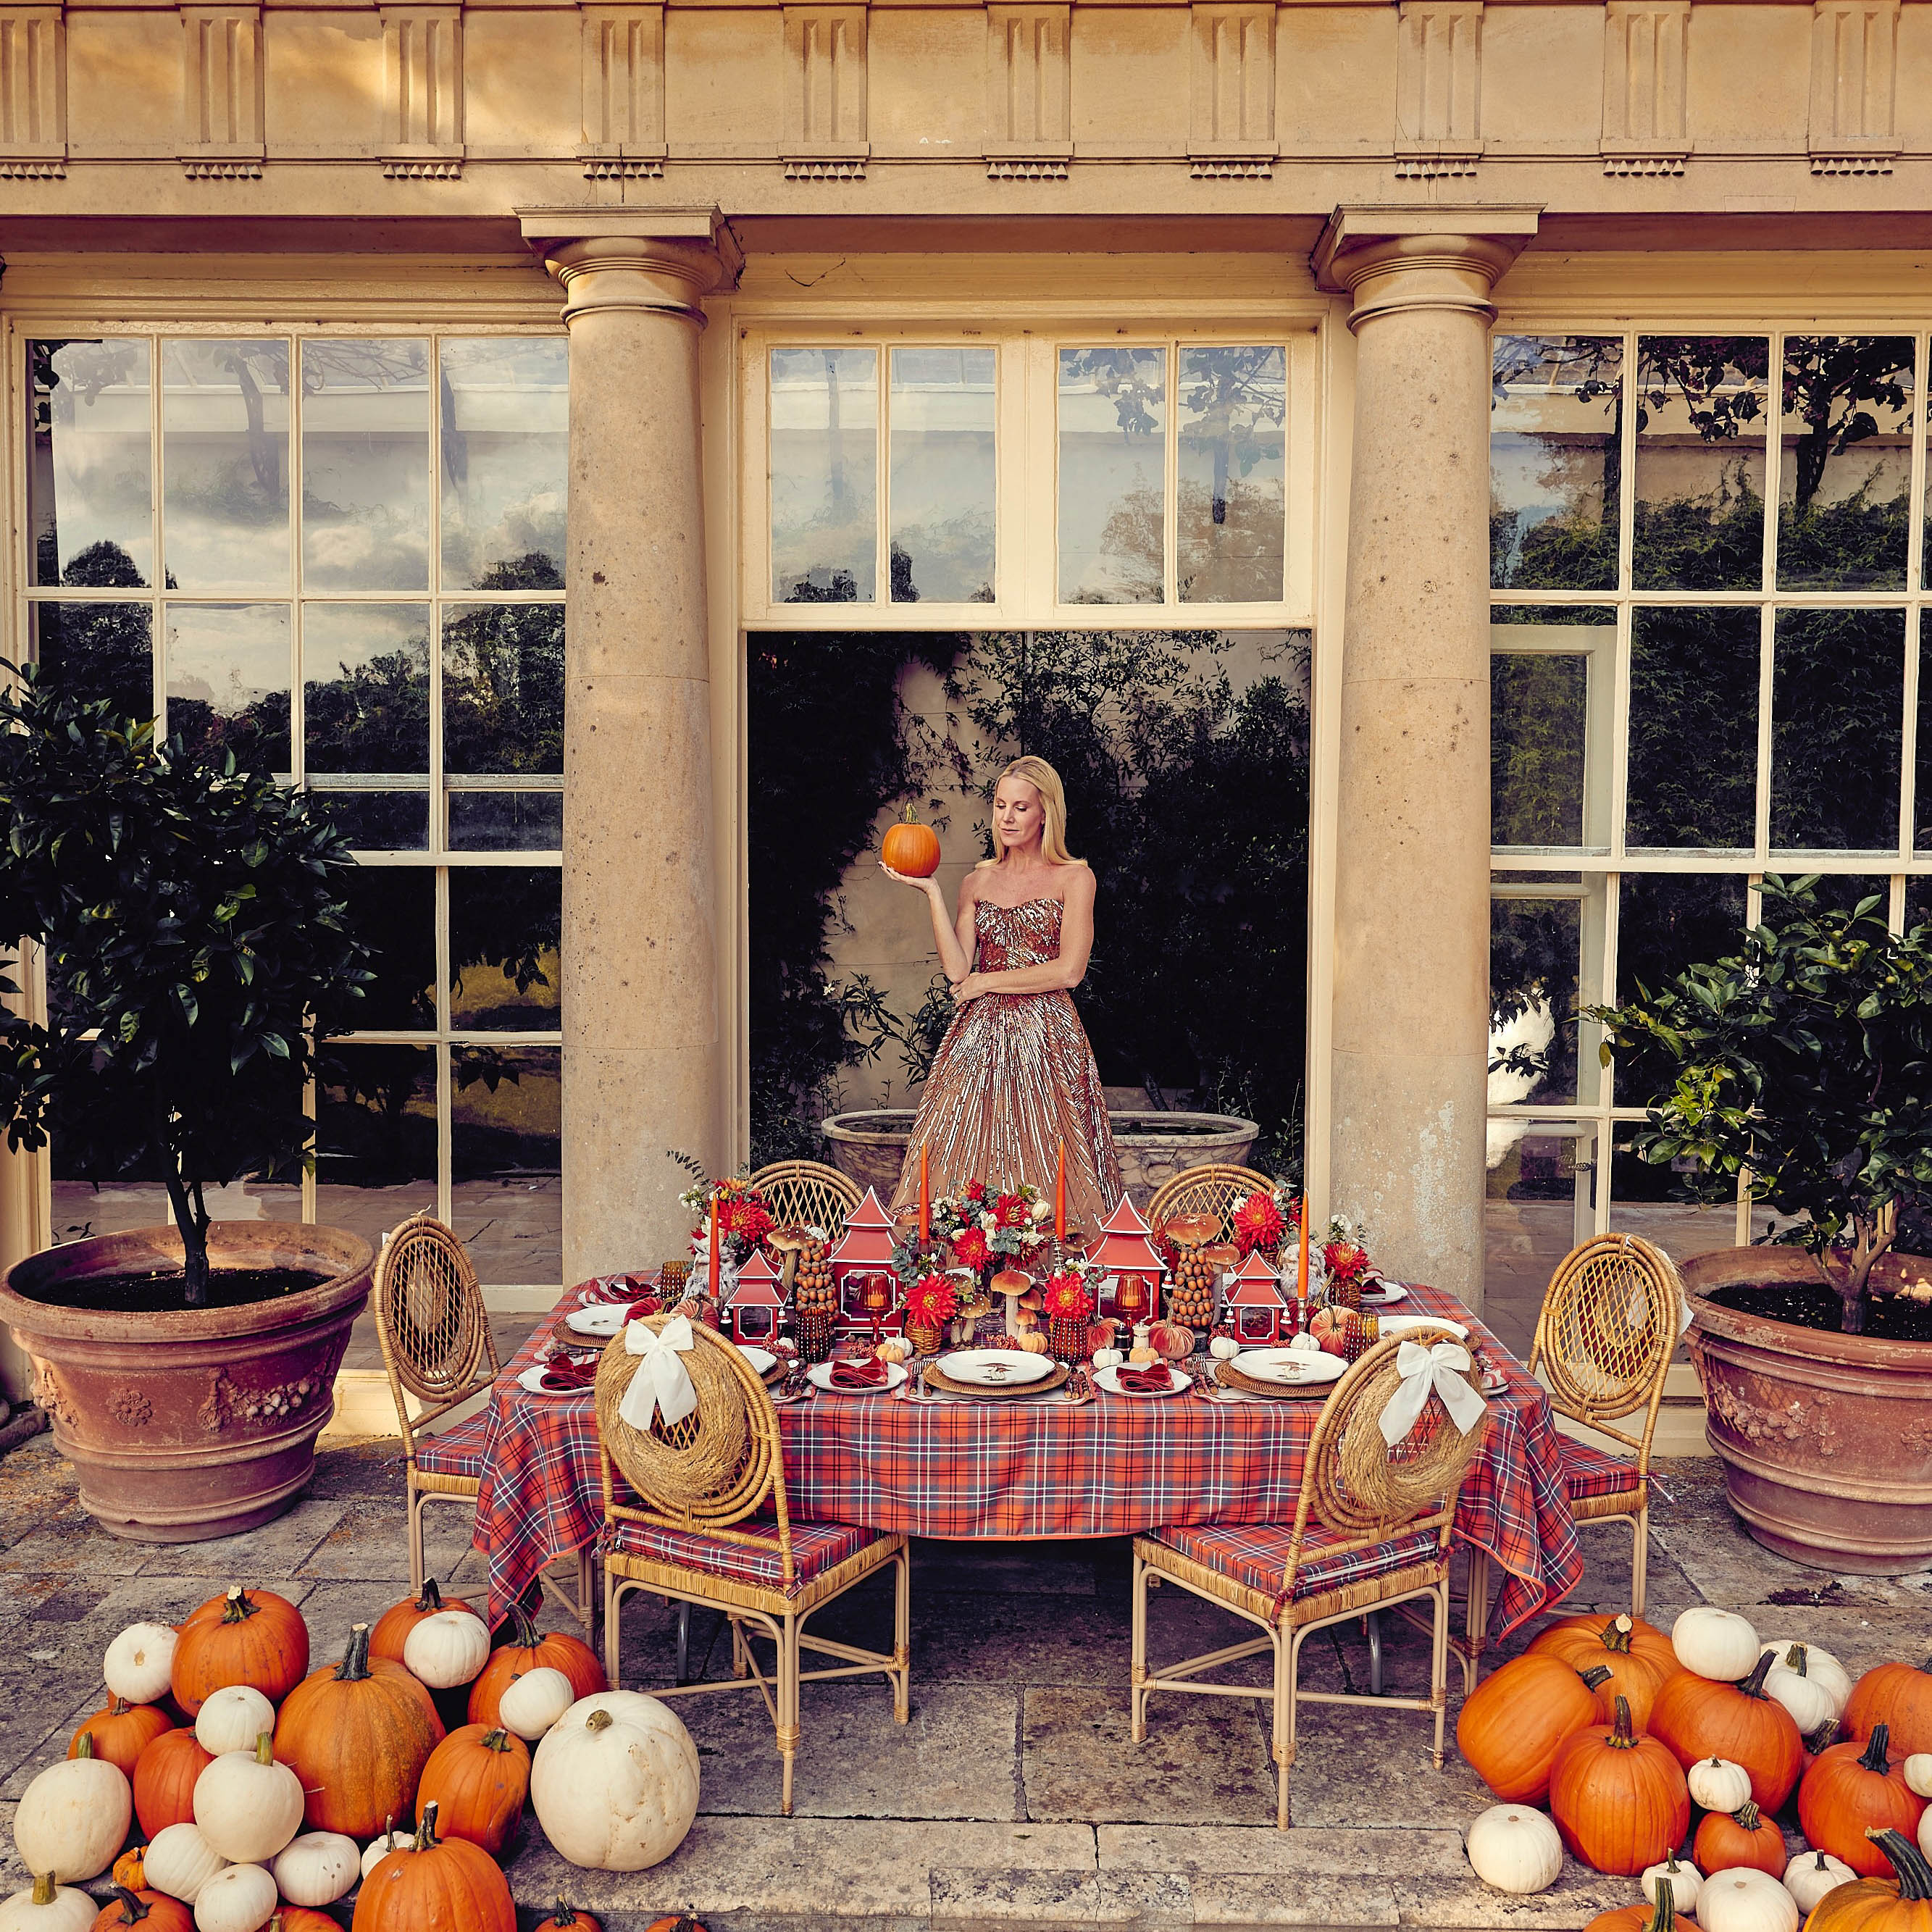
x,y
1014,1077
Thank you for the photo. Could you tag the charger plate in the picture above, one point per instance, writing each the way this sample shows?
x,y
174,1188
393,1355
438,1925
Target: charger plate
x,y
1228,1376
937,1379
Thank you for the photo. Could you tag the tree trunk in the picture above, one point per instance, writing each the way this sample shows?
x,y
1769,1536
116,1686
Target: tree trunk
x,y
1872,1234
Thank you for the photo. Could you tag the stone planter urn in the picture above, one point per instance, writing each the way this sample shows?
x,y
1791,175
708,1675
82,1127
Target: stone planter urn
x,y
188,1423
1826,1439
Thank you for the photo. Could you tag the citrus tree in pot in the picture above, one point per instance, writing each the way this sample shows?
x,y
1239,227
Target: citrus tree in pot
x,y
1803,1062
191,918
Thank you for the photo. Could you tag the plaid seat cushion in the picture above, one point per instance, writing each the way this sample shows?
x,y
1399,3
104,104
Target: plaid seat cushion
x,y
816,1547
457,1450
1254,1555
1591,1472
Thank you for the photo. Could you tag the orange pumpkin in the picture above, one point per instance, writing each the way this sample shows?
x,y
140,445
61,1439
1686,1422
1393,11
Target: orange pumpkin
x,y
1898,1695
1745,1837
357,1734
130,1869
1699,1717
680,1923
243,1636
1512,1723
911,848
152,1911
164,1778
391,1630
477,1780
526,1651
301,1918
1664,1916
565,1917
1618,1799
121,1732
1904,1904
1851,1790
435,1882
1639,1660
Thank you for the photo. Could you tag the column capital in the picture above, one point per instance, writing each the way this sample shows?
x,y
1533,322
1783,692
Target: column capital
x,y
1420,257
655,261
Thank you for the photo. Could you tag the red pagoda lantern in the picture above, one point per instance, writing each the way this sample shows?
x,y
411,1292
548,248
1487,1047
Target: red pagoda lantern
x,y
1131,1267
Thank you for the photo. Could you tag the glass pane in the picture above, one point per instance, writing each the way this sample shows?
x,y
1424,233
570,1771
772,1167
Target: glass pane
x,y
1533,974
102,650
1667,921
380,821
1917,901
825,475
365,465
940,415
1922,783
1231,524
1643,1201
506,1154
1846,892
1843,494
1529,1224
1702,402
392,910
225,455
1548,781
1555,454
503,688
1113,459
505,922
504,486
365,687
1692,769
228,681
375,1155
506,821
1837,729
90,483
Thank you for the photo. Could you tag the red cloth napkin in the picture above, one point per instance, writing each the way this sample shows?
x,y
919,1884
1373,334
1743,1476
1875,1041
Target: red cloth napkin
x,y
1149,1381
560,1375
630,1288
859,1375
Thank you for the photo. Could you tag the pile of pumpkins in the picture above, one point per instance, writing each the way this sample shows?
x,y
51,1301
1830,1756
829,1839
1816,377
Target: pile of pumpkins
x,y
263,1792
1621,1731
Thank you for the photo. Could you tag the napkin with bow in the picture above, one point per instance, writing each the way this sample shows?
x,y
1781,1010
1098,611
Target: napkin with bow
x,y
859,1375
1148,1381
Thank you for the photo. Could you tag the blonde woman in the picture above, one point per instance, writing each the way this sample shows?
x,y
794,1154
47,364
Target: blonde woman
x,y
1014,1080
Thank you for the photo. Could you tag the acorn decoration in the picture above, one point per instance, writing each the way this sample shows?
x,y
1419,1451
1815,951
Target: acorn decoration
x,y
813,1289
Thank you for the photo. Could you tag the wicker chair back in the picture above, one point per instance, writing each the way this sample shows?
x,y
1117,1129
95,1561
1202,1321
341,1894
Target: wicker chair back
x,y
430,1316
1217,1188
807,1194
1608,1328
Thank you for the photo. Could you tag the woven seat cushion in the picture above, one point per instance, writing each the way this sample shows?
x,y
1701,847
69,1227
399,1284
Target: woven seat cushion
x,y
816,1547
1254,1555
457,1450
1590,1472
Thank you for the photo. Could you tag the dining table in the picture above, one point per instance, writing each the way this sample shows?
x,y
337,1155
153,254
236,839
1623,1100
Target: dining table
x,y
1028,1469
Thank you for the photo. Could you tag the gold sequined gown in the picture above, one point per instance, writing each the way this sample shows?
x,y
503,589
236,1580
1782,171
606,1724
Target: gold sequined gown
x,y
1012,1080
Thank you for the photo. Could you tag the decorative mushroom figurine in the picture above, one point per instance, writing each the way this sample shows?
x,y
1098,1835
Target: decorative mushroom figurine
x,y
788,1243
1191,1230
1221,1256
1013,1284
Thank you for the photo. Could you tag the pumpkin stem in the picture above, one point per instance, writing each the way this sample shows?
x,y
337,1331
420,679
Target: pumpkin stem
x,y
498,1740
1616,1633
1748,1815
83,1745
430,1601
1663,1914
599,1720
1914,1874
237,1609
1822,1736
1597,1674
133,1909
265,1748
563,1913
426,1838
1795,1659
1873,1757
1621,1737
354,1665
1821,1865
119,1707
1753,1686
44,1888
522,1627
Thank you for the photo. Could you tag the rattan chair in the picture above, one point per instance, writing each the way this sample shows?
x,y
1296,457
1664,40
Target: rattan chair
x,y
1607,1330
1216,1188
807,1194
1371,1530
437,1348
691,1537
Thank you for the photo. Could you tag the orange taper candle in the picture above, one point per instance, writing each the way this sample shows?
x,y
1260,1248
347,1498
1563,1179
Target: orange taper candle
x,y
924,1200
1060,1198
714,1244
1301,1276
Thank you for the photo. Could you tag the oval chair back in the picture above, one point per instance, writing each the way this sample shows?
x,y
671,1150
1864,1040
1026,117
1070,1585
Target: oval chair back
x,y
431,1321
807,1194
1606,1334
1216,1187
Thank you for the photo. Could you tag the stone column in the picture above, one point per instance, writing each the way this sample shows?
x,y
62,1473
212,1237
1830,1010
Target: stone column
x,y
1410,1059
642,1045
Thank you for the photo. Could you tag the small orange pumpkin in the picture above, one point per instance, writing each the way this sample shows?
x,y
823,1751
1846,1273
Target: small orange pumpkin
x,y
242,1637
1699,1717
164,1780
435,1882
129,1870
477,1779
1664,1916
152,1911
1618,1799
391,1630
526,1651
910,847
301,1918
565,1917
1851,1790
1745,1837
1898,1695
121,1732
1904,1904
1512,1723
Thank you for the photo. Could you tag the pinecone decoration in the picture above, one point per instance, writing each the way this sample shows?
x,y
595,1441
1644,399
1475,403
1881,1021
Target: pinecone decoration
x,y
812,1286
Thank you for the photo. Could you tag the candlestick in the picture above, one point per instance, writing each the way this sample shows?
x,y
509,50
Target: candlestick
x,y
1060,1198
1301,1274
925,1201
714,1244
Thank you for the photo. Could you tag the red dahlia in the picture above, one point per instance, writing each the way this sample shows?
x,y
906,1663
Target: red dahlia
x,y
1258,1223
970,1248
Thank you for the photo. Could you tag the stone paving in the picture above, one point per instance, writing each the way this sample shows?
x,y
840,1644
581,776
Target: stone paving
x,y
1014,1798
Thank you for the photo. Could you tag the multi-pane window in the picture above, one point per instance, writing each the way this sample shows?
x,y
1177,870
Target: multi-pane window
x,y
342,559
1708,563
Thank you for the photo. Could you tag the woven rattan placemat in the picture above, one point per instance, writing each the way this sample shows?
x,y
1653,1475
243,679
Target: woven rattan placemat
x,y
1228,1376
936,1378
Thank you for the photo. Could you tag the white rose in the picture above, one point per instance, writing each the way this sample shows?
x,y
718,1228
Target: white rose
x,y
1040,1210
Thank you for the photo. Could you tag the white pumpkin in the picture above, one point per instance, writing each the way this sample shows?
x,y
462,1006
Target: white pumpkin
x,y
1223,1348
48,1907
1718,1784
1108,1358
1714,1643
316,1868
1684,1878
179,1861
378,1849
1743,1900
237,1898
1305,1344
1820,1666
614,1782
1809,1701
140,1665
533,1700
1917,1773
1924,1832
1514,1848
247,1805
1812,1874
231,1719
447,1649
74,1817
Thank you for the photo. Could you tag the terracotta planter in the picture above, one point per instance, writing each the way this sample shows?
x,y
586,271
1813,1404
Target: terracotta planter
x,y
1826,1439
185,1426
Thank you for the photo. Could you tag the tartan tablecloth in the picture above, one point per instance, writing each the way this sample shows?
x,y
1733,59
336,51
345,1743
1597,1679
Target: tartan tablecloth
x,y
1039,1469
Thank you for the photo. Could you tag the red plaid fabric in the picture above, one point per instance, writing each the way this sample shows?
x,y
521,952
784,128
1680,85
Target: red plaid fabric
x,y
1592,1472
1116,1466
1256,1555
816,1547
457,1450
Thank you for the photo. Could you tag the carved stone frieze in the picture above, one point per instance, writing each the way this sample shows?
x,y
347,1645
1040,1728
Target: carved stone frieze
x,y
1029,92
622,59
33,93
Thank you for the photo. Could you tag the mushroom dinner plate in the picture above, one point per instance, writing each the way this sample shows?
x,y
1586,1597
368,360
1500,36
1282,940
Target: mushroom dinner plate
x,y
1292,1368
1401,1325
602,1322
994,1368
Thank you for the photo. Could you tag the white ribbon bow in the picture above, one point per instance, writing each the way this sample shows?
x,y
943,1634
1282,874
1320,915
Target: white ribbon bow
x,y
660,1381
1424,1370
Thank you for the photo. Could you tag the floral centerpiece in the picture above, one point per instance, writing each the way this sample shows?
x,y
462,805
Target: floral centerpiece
x,y
987,1223
1340,1266
931,1302
744,1220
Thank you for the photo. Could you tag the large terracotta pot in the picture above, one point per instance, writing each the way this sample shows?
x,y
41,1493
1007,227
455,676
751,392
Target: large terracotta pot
x,y
183,1426
1826,1439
